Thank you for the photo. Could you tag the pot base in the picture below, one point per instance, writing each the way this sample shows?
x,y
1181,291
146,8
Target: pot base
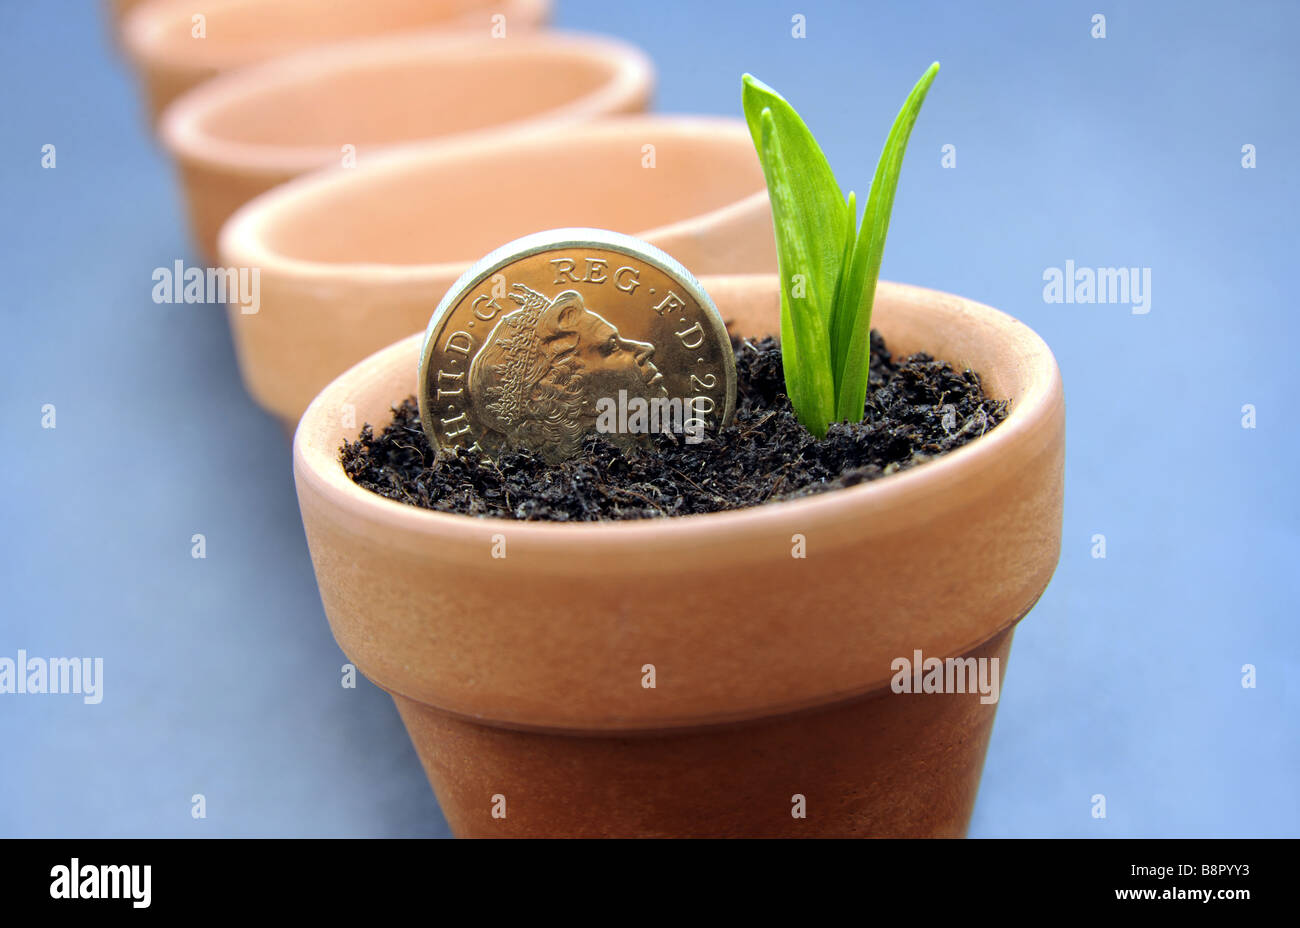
x,y
889,765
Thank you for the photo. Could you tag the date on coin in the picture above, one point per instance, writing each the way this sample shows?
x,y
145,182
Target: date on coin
x,y
564,334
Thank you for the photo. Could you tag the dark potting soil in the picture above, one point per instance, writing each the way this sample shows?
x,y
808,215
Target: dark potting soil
x,y
916,408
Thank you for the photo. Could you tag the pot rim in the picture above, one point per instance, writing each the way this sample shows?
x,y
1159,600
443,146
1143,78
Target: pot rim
x,y
145,28
183,125
243,237
316,461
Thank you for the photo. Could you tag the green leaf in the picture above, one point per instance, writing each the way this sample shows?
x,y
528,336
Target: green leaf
x,y
811,220
805,347
819,210
851,322
842,286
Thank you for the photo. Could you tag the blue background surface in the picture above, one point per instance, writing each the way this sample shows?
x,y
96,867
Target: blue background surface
x,y
221,676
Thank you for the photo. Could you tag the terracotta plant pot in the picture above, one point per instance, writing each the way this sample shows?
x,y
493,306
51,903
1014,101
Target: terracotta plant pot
x,y
160,38
520,677
352,260
116,12
243,133
118,9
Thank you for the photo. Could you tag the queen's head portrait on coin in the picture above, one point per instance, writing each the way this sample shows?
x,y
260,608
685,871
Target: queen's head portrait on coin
x,y
565,334
538,379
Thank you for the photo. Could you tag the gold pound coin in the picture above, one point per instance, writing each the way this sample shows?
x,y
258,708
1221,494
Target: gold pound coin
x,y
563,334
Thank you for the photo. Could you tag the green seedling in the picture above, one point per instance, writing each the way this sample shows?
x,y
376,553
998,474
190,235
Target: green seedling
x,y
829,263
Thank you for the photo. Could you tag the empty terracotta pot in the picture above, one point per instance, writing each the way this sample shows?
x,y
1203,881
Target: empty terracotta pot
x,y
520,678
245,132
352,260
116,13
117,9
163,41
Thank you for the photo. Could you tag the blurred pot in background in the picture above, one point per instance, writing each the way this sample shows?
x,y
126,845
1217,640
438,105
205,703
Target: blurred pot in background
x,y
245,132
116,12
353,260
173,49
